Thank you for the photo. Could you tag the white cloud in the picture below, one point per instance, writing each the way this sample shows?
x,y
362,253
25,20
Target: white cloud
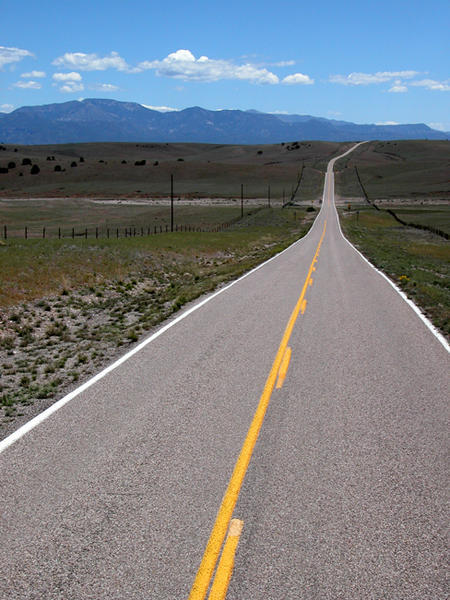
x,y
104,87
69,82
71,86
398,88
387,123
439,126
283,63
161,108
370,78
28,85
182,64
67,76
92,62
12,55
431,84
33,74
298,78
6,108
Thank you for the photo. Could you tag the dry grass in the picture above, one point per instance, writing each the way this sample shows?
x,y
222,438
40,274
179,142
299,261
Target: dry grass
x,y
200,170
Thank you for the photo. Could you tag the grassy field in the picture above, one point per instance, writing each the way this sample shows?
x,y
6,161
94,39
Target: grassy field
x,y
418,261
81,213
67,307
200,170
433,216
407,170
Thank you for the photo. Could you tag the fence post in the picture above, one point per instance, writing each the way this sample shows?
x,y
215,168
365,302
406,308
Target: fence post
x,y
43,233
96,233
73,233
171,203
59,233
5,232
117,233
26,233
85,233
107,232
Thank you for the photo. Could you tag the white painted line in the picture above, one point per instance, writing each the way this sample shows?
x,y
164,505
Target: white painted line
x,y
16,435
437,334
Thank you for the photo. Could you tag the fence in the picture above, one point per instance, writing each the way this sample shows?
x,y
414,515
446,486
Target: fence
x,y
105,232
430,228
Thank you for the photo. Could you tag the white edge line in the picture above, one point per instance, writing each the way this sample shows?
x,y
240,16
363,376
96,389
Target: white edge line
x,y
38,419
437,334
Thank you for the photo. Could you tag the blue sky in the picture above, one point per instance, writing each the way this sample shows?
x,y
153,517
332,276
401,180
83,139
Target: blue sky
x,y
367,61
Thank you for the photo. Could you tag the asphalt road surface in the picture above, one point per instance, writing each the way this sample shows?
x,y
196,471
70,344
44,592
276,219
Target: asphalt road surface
x,y
116,494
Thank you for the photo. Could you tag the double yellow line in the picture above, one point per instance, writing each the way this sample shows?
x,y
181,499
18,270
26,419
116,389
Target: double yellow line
x,y
219,530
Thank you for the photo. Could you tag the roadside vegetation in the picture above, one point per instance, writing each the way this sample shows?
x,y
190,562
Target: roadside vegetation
x,y
418,261
68,307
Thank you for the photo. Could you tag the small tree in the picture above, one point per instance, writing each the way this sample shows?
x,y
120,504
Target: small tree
x,y
26,161
73,164
35,170
11,165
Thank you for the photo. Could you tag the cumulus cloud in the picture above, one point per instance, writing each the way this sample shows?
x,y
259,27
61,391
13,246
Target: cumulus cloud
x,y
387,123
298,78
71,86
6,108
12,55
28,85
161,108
33,75
431,84
92,62
69,82
73,76
371,78
182,64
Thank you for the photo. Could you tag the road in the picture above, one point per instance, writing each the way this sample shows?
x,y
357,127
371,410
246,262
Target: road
x,y
342,494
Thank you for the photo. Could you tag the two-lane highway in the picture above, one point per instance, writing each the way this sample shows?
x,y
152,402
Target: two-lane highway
x,y
340,481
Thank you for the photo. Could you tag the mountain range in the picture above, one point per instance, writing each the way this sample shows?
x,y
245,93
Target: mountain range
x,y
101,120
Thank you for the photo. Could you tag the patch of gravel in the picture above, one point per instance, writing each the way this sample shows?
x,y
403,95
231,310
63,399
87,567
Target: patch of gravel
x,y
49,346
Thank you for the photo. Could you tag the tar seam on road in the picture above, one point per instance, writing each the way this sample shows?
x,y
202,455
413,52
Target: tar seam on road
x,y
212,551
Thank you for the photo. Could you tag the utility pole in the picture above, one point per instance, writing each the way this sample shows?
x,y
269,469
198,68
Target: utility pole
x,y
171,203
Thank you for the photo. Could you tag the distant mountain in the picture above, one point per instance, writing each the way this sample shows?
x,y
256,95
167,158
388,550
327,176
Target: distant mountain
x,y
93,120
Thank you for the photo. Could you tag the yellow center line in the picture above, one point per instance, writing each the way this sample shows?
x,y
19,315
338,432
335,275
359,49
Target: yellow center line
x,y
226,563
219,530
303,307
284,368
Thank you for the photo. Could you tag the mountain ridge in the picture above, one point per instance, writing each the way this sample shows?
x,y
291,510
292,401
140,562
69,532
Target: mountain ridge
x,y
107,120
